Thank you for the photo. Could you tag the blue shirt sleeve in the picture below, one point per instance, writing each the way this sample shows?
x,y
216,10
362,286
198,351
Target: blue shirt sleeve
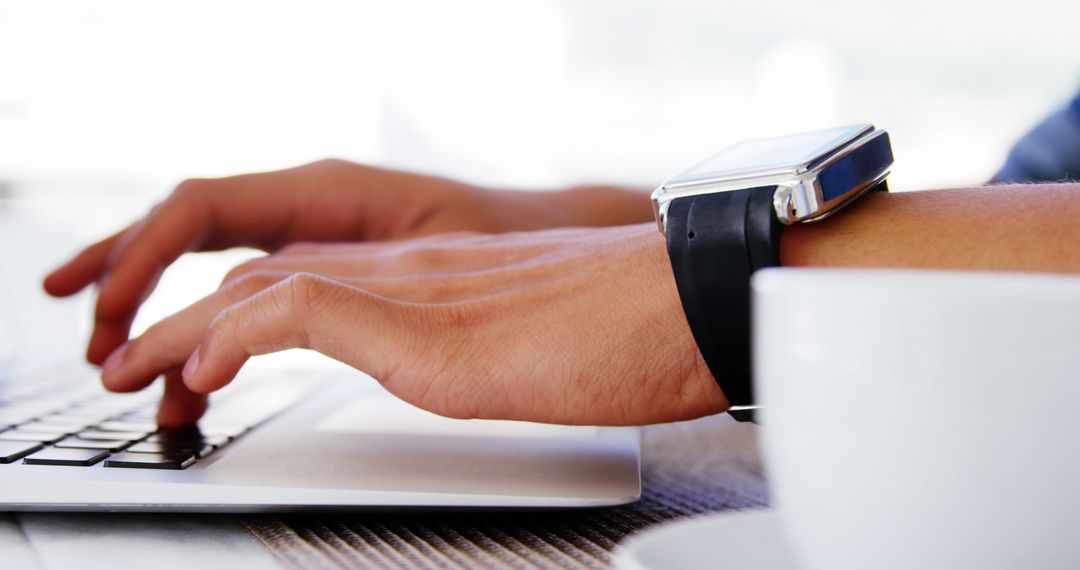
x,y
1050,152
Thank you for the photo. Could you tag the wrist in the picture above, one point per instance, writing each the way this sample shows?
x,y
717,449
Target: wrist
x,y
698,393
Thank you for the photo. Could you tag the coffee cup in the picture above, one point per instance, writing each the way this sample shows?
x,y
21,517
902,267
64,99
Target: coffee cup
x,y
920,419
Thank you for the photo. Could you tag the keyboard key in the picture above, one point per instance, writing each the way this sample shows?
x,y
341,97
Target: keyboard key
x,y
151,460
80,415
76,443
107,402
187,435
31,435
122,425
55,426
16,419
223,430
110,435
140,416
18,415
72,457
13,450
199,451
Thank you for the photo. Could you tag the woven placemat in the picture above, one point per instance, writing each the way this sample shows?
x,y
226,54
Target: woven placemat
x,y
690,468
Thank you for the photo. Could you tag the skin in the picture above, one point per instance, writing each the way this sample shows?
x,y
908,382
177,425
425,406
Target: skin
x,y
1022,227
473,303
326,201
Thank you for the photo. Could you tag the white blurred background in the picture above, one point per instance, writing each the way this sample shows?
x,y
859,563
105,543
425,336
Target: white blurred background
x,y
105,105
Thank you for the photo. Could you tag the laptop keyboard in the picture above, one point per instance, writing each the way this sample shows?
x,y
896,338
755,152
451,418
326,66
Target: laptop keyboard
x,y
57,419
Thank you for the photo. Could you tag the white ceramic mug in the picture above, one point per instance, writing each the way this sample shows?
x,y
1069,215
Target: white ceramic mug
x,y
921,420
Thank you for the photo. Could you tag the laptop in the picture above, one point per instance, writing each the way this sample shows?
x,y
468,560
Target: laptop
x,y
274,440
278,441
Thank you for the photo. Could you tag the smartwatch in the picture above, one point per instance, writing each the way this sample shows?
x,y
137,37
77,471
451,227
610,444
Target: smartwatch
x,y
722,220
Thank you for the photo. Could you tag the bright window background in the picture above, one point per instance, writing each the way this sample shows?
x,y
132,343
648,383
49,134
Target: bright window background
x,y
104,105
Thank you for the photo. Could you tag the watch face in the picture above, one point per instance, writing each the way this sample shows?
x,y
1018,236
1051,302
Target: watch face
x,y
770,154
810,174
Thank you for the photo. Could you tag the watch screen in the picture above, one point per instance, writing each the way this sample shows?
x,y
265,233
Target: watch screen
x,y
772,153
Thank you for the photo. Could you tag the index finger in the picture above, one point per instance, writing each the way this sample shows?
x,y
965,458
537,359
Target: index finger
x,y
132,269
83,269
143,253
201,214
179,406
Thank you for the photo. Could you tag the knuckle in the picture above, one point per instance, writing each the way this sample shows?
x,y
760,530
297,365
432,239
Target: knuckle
x,y
152,334
146,348
251,282
453,318
305,291
337,172
305,297
190,188
240,271
223,321
427,255
331,163
136,348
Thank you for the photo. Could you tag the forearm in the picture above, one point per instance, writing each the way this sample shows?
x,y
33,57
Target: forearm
x,y
1004,228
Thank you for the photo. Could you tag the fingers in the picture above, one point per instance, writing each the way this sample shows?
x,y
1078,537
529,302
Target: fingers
x,y
250,209
179,406
317,202
200,214
82,270
303,311
449,276
145,252
279,304
127,267
170,342
106,337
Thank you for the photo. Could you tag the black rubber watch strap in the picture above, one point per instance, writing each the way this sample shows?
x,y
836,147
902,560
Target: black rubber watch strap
x,y
715,242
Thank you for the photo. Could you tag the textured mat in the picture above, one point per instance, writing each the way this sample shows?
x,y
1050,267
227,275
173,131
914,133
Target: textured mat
x,y
706,465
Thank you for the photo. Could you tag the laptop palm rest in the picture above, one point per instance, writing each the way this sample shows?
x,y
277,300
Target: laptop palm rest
x,y
351,446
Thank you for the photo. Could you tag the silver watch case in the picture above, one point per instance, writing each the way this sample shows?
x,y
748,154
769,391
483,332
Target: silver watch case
x,y
798,196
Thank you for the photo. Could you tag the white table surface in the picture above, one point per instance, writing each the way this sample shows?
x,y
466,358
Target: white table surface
x,y
87,541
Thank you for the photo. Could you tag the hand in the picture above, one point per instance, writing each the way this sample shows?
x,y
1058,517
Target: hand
x,y
576,326
326,201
